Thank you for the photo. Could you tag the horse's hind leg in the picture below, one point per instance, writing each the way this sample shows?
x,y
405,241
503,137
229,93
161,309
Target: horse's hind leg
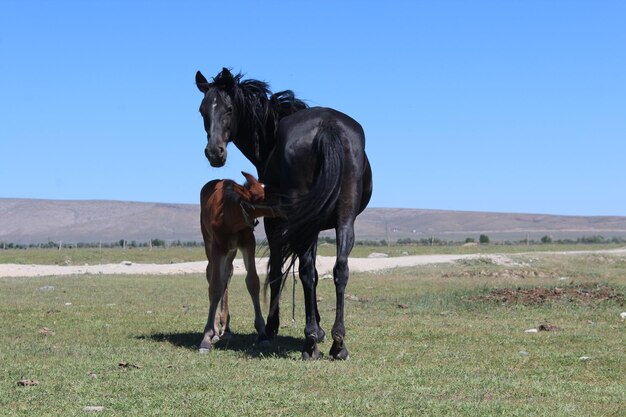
x,y
247,246
273,228
321,334
345,242
311,329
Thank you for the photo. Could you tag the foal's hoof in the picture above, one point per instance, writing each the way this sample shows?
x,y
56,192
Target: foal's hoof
x,y
205,347
338,352
207,343
224,336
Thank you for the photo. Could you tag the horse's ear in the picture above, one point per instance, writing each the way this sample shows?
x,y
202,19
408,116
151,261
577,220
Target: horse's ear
x,y
201,82
227,78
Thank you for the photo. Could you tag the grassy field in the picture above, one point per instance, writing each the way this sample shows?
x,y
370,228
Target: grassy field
x,y
433,340
187,254
94,256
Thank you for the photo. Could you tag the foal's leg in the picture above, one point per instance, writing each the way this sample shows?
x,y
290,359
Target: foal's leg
x,y
311,328
222,318
345,242
215,275
224,315
247,245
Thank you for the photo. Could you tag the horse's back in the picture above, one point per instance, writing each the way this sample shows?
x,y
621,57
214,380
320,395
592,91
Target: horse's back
x,y
297,134
303,125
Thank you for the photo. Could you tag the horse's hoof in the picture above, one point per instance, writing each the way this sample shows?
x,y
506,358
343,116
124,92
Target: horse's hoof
x,y
262,341
338,352
263,344
315,355
311,354
225,336
271,326
271,331
321,335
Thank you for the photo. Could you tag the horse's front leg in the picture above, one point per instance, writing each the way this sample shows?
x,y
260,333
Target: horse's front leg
x,y
215,275
345,242
247,245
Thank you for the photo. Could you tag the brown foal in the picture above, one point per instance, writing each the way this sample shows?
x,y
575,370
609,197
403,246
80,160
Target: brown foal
x,y
227,218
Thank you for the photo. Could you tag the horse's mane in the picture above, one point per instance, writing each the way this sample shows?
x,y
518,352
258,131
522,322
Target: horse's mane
x,y
259,109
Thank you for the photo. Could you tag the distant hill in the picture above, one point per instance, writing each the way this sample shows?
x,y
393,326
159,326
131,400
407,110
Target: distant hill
x,y
40,221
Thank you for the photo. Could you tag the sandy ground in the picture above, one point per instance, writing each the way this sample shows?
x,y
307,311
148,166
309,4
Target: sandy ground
x,y
324,265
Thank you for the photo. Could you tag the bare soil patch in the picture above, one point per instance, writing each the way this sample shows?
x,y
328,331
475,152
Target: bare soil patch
x,y
589,292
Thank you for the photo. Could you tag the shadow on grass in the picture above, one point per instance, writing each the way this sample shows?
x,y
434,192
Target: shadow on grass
x,y
281,346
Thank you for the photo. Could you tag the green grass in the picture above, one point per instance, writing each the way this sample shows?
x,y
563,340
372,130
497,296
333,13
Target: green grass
x,y
101,256
403,250
419,345
81,256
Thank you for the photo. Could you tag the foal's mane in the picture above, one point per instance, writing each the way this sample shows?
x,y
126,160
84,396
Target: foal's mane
x,y
233,192
259,110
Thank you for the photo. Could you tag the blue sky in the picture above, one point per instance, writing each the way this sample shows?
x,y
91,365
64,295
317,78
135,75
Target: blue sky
x,y
504,106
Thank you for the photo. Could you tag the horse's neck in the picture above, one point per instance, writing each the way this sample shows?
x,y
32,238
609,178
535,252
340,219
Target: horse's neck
x,y
253,147
255,140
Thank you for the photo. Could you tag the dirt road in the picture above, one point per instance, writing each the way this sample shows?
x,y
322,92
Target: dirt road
x,y
324,265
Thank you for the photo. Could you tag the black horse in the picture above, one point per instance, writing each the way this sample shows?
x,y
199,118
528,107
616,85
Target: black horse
x,y
315,158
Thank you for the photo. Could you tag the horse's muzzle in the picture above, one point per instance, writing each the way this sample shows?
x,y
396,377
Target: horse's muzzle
x,y
216,156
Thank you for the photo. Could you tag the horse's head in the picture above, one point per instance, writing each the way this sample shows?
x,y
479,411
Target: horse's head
x,y
217,110
256,188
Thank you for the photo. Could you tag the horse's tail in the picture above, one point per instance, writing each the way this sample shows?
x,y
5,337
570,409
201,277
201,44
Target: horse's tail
x,y
306,214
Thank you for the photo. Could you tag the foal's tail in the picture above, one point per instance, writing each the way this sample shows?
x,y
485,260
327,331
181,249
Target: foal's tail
x,y
306,214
